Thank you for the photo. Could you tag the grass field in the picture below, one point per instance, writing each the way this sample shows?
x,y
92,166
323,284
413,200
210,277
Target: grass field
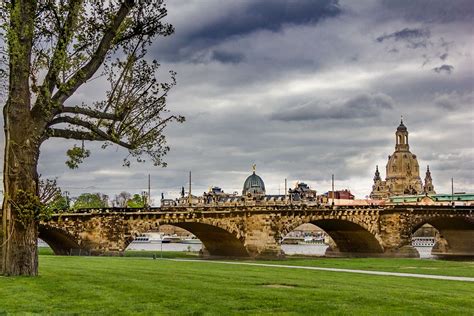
x,y
420,266
124,286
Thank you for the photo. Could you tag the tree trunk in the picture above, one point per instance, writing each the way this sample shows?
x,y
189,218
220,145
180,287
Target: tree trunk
x,y
22,141
20,208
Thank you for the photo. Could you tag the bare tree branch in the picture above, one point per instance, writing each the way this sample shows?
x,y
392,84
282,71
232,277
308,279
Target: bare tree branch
x,y
91,127
71,134
86,72
48,190
90,113
65,36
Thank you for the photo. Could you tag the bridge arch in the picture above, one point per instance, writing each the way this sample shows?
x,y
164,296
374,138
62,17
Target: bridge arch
x,y
350,237
60,241
455,231
218,241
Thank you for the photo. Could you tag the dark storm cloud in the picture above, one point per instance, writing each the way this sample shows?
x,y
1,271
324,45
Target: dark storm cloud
x,y
414,38
360,106
432,11
447,69
227,57
247,17
267,15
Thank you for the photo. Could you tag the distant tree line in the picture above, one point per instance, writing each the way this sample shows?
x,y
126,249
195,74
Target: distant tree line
x,y
59,201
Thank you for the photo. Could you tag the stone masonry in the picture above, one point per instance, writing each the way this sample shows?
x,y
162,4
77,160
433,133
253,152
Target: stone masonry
x,y
256,231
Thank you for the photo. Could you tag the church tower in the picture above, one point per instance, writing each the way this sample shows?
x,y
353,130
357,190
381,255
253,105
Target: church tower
x,y
401,136
379,191
402,171
428,188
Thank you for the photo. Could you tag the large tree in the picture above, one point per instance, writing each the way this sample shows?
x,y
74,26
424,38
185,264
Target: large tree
x,y
53,48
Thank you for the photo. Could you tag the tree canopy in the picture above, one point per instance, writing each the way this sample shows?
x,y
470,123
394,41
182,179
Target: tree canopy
x,y
73,40
137,201
91,200
52,49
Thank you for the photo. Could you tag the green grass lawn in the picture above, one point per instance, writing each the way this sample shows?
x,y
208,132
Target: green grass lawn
x,y
46,251
124,286
419,266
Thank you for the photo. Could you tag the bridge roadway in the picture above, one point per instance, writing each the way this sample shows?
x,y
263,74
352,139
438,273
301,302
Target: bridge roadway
x,y
255,230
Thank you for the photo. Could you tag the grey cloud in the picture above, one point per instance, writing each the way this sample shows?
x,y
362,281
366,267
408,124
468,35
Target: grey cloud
x,y
264,15
360,106
431,11
447,69
443,56
445,102
227,57
454,100
244,18
414,38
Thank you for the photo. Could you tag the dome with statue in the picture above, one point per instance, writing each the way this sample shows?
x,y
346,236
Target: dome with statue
x,y
253,185
402,171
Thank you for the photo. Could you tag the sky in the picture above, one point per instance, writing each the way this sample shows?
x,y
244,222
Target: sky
x,y
303,89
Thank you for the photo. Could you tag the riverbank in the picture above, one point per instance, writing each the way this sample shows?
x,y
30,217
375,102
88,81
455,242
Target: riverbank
x,y
123,286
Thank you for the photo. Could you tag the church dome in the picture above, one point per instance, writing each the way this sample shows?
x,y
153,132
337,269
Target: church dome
x,y
254,185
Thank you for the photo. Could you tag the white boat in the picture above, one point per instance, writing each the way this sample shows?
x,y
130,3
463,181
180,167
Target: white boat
x,y
312,240
153,238
191,240
142,239
423,241
172,238
292,240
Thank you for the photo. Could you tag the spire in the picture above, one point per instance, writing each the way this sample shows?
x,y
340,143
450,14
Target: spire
x,y
428,173
377,174
428,187
402,126
254,168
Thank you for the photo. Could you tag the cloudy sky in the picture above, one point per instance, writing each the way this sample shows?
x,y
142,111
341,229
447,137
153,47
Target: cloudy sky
x,y
303,89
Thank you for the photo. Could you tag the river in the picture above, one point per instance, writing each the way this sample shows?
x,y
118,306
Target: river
x,y
309,249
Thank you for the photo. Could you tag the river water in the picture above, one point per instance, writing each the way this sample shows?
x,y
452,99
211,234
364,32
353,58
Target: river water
x,y
309,249
313,250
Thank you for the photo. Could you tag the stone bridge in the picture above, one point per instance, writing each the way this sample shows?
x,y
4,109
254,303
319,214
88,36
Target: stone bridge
x,y
256,231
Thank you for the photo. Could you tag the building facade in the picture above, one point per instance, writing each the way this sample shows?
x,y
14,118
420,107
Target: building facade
x,y
402,172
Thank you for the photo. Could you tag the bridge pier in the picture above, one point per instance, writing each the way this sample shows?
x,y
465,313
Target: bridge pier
x,y
262,237
396,234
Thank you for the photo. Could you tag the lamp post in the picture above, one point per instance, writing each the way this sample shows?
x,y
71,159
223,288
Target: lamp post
x,y
161,247
190,196
452,191
66,195
332,180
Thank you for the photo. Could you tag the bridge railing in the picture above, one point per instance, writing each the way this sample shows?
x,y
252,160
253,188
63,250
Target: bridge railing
x,y
284,207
